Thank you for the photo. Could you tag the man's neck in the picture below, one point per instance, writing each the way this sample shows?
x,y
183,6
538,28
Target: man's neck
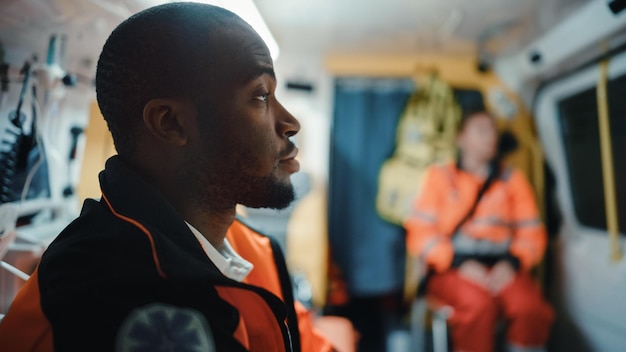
x,y
212,225
211,220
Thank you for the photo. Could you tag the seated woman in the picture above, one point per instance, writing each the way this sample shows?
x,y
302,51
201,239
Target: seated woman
x,y
480,250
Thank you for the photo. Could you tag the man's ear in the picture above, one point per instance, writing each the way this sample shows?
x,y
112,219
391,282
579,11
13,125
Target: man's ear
x,y
169,120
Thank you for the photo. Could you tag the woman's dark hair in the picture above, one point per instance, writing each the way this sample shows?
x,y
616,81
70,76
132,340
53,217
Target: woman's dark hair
x,y
507,142
469,114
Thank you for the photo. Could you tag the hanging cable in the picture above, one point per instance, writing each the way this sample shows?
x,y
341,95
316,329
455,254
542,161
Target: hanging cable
x,y
4,77
38,142
14,137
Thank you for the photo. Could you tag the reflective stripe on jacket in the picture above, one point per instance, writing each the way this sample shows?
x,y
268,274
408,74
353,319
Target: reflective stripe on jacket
x,y
506,219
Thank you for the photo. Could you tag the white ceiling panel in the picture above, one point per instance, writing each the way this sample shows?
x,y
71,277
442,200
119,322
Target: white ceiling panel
x,y
326,26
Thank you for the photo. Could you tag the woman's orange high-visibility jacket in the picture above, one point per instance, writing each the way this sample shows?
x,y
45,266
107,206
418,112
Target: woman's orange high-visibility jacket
x,y
128,273
505,224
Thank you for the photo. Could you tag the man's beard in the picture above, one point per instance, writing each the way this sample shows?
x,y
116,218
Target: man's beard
x,y
270,193
230,188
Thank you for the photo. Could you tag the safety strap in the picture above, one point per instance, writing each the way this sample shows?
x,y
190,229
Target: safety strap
x,y
493,174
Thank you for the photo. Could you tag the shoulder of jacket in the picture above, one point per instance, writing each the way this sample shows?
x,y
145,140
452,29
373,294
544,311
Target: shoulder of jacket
x,y
443,168
506,173
242,223
95,228
512,174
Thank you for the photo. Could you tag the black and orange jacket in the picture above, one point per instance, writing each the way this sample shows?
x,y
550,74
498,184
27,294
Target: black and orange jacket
x,y
130,250
505,224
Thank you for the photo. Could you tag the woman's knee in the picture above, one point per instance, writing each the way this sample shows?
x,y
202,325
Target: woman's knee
x,y
528,304
478,306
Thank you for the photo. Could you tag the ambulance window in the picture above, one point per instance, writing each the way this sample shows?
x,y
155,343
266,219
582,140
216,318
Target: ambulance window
x,y
578,115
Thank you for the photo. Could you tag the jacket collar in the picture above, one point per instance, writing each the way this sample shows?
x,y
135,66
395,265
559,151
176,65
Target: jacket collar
x,y
128,195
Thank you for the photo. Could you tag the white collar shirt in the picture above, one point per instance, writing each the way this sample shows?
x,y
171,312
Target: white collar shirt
x,y
227,261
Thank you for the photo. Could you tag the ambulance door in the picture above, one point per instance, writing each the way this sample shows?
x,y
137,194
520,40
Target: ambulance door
x,y
591,276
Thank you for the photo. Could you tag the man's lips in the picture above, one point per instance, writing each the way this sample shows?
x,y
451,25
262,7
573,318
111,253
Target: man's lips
x,y
291,155
289,161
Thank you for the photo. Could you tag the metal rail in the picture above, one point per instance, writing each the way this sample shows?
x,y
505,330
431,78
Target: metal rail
x,y
608,174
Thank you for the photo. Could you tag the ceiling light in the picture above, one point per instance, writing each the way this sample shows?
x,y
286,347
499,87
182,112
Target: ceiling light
x,y
247,10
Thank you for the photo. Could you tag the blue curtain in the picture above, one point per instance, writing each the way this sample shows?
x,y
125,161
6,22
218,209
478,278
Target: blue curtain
x,y
369,251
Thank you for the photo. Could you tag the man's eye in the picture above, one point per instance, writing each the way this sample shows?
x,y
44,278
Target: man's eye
x,y
262,97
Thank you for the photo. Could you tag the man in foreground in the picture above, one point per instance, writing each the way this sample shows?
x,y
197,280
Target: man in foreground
x,y
158,263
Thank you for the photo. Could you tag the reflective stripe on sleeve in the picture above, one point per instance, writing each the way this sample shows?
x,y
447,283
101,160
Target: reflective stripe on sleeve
x,y
430,245
427,217
527,223
464,244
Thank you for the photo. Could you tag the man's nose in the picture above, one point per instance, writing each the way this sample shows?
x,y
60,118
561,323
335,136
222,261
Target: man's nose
x,y
287,125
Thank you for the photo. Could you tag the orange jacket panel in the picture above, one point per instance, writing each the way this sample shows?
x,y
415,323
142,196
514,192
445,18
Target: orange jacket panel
x,y
253,332
506,218
257,249
34,334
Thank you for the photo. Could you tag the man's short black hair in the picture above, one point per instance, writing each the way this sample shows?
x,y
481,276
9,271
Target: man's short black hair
x,y
161,52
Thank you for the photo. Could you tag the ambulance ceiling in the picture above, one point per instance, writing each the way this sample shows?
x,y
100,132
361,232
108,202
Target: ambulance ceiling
x,y
410,26
327,26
